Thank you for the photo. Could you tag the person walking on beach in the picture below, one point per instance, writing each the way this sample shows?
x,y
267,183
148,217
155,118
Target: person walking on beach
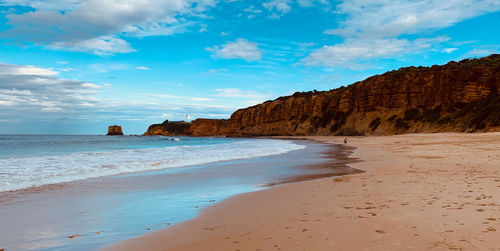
x,y
345,140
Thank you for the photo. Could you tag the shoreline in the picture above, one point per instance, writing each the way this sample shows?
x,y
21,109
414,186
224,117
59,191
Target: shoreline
x,y
90,214
419,191
337,164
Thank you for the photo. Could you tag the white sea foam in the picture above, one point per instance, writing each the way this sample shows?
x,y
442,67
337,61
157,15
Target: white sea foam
x,y
24,172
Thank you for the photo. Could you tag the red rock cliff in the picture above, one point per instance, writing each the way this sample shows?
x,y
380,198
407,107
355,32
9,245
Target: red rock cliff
x,y
458,96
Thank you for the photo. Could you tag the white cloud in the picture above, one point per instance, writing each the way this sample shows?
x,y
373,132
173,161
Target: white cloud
x,y
25,70
166,116
90,86
103,68
99,26
389,18
450,50
203,28
238,93
51,109
309,3
65,69
168,96
280,6
353,53
252,9
144,68
240,48
105,45
29,90
45,4
373,29
200,99
216,71
225,33
483,50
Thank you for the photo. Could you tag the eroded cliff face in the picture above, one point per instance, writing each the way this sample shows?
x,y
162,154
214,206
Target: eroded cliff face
x,y
458,96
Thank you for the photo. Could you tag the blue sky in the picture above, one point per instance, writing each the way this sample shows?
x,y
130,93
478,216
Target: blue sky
x,y
77,66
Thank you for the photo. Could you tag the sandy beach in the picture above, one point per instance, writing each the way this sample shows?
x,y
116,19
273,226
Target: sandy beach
x,y
419,192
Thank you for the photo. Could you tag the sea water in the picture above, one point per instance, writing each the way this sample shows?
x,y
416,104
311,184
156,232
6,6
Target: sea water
x,y
103,189
34,160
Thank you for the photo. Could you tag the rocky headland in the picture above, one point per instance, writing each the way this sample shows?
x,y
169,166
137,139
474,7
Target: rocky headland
x,y
168,128
456,97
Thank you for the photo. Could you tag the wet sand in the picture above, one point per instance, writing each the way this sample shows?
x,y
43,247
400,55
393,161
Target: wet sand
x,y
419,192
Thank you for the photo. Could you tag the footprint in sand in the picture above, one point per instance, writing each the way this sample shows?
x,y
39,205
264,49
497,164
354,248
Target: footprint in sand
x,y
489,229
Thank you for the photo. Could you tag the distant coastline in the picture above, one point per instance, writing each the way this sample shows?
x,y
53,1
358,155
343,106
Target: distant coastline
x,y
456,97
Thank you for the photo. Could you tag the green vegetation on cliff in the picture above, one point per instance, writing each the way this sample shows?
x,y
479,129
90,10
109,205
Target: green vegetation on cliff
x,y
168,128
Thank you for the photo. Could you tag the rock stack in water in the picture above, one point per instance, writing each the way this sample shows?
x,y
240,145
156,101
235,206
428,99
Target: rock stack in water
x,y
115,130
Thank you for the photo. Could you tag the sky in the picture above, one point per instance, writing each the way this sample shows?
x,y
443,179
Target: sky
x,y
78,66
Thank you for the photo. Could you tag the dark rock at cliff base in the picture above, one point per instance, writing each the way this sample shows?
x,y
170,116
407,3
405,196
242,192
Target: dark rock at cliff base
x,y
168,128
456,97
115,130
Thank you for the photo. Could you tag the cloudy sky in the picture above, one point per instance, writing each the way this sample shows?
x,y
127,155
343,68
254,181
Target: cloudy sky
x,y
77,66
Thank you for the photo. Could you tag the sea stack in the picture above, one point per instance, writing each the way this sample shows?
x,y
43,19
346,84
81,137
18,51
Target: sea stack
x,y
115,130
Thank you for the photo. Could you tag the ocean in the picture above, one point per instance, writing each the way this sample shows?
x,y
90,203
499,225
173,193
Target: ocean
x,y
85,192
29,161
